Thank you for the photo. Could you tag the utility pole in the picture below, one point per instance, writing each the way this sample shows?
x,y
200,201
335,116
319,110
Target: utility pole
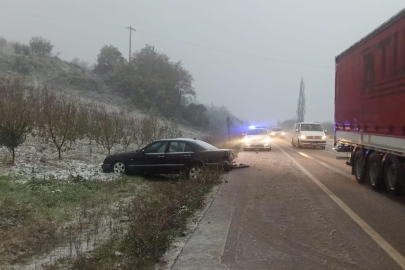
x,y
229,132
130,39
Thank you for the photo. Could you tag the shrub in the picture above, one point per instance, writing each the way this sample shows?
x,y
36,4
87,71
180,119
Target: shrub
x,y
41,46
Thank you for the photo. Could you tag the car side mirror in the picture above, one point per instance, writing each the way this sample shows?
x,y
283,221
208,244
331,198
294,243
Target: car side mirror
x,y
296,130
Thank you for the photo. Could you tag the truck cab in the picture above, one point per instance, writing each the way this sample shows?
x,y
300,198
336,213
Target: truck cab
x,y
309,134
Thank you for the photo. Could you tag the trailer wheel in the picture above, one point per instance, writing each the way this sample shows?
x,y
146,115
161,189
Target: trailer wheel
x,y
358,165
393,175
375,171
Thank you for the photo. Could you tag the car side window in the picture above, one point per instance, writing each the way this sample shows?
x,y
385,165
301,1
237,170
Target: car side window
x,y
188,148
158,147
177,147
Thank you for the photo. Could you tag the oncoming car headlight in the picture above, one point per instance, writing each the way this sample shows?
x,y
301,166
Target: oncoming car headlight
x,y
282,133
272,133
303,137
246,139
268,139
323,137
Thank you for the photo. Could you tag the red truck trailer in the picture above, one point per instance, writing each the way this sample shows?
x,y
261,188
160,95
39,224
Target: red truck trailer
x,y
370,106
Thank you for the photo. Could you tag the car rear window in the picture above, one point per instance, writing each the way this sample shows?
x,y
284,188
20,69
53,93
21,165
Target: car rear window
x,y
206,146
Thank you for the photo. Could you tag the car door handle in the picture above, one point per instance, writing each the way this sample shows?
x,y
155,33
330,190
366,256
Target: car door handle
x,y
161,156
187,155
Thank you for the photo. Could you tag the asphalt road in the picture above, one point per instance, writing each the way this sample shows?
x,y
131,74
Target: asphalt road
x,y
297,209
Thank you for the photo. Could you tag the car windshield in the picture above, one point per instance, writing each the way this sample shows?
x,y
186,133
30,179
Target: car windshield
x,y
257,132
277,129
206,146
311,127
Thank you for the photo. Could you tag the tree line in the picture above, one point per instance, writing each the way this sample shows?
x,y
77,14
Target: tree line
x,y
152,80
63,120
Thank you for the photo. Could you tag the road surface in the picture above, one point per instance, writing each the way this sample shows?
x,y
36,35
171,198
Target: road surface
x,y
297,209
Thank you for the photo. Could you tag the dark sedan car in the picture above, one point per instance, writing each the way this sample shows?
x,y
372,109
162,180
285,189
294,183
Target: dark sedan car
x,y
170,156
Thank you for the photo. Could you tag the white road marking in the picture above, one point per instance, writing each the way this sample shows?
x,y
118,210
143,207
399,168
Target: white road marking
x,y
343,173
391,251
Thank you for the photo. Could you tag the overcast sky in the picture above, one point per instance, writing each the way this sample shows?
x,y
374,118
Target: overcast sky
x,y
247,55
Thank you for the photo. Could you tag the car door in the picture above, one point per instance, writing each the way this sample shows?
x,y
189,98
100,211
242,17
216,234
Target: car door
x,y
153,160
178,156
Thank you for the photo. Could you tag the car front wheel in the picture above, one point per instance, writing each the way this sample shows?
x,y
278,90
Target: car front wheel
x,y
119,168
194,171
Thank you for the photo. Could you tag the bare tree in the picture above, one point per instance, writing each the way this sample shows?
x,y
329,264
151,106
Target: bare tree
x,y
15,113
110,125
301,103
59,114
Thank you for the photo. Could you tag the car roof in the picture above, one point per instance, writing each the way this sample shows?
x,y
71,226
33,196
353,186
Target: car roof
x,y
179,139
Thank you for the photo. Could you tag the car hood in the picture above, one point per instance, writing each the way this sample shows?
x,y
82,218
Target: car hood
x,y
120,156
312,133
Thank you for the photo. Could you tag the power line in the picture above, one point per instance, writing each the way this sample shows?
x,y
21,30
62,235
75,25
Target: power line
x,y
260,57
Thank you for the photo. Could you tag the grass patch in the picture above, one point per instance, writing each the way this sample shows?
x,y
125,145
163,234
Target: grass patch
x,y
155,218
33,214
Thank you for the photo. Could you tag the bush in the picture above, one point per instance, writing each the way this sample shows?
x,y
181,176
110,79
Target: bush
x,y
41,46
3,43
17,47
21,66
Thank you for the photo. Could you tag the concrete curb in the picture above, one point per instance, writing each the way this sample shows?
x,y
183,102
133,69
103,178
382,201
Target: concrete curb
x,y
170,257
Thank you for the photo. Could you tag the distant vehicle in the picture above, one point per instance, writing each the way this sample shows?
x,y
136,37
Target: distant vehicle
x,y
256,138
370,106
309,134
170,156
277,133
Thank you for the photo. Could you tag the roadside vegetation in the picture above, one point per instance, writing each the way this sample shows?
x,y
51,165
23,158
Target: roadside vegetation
x,y
88,223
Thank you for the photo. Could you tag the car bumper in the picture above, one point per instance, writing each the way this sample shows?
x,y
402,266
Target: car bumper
x,y
313,143
106,167
257,146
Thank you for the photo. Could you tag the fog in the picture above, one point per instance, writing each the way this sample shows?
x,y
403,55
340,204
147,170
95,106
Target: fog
x,y
247,55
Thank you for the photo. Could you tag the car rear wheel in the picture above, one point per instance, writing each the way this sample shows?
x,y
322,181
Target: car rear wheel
x,y
393,175
375,171
119,168
359,162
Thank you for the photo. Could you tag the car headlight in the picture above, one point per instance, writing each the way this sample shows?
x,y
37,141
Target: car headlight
x,y
303,137
267,140
246,139
272,133
323,137
283,133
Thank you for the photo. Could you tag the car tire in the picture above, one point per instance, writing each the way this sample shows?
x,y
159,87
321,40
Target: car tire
x,y
292,142
393,175
119,167
323,147
359,166
194,171
299,145
374,171
269,149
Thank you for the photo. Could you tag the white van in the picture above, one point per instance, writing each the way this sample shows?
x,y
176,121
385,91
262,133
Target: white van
x,y
308,134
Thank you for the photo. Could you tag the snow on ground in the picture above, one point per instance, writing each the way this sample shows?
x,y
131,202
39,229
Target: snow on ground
x,y
39,159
